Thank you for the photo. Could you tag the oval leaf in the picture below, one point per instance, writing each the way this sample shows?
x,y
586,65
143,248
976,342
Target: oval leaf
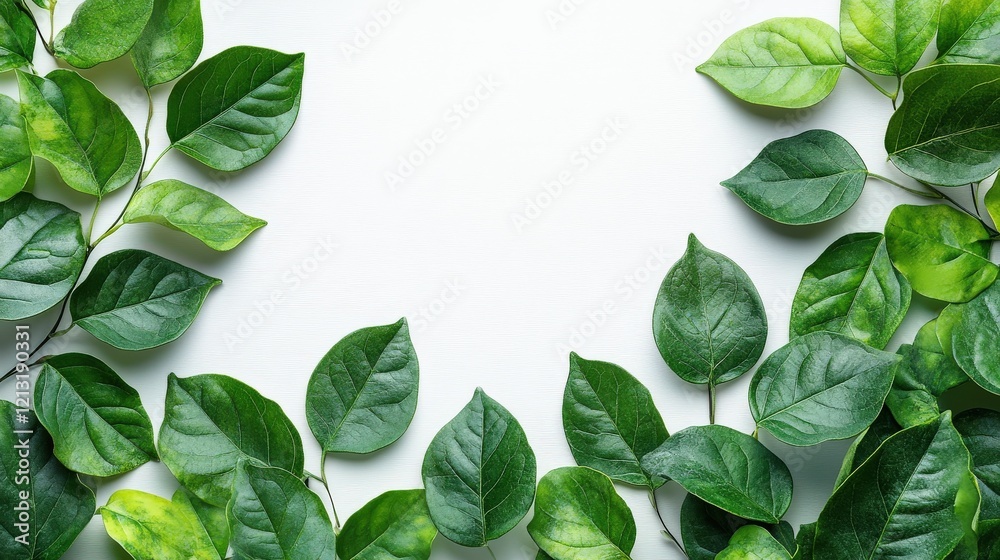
x,y
805,179
363,394
580,516
706,529
135,300
968,32
211,422
479,472
708,322
170,43
234,108
16,162
102,30
610,421
395,525
726,468
782,62
888,37
17,36
975,339
944,253
753,543
852,289
274,516
820,387
85,135
41,255
149,527
194,211
96,420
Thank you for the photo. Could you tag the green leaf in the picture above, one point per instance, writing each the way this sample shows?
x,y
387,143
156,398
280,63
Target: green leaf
x,y
888,37
16,161
610,421
728,469
395,525
234,108
980,430
152,528
211,422
805,179
947,130
820,387
85,135
170,43
925,373
41,255
211,518
55,494
479,472
709,322
975,339
943,252
805,540
852,289
579,516
782,62
196,212
363,393
45,4
992,201
900,502
17,36
884,427
135,300
102,30
968,32
274,516
96,420
706,529
753,543
989,540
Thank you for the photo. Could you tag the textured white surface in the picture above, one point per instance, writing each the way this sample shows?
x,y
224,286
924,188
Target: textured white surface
x,y
491,304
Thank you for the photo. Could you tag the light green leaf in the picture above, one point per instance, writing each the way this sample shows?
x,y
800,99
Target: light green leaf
x,y
363,393
884,427
479,472
85,135
580,516
17,36
709,322
901,501
393,526
805,179
274,516
211,422
41,255
16,161
980,430
152,528
976,337
102,30
782,62
610,421
925,373
820,387
170,43
211,518
728,469
968,32
196,212
753,543
944,253
135,300
888,37
852,289
992,200
96,420
55,493
947,130
234,108
706,529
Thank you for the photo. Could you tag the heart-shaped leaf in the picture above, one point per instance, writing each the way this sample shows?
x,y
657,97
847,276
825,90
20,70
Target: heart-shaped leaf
x,y
975,339
16,161
968,32
17,36
96,420
888,37
102,30
395,525
751,542
149,526
170,43
706,529
479,472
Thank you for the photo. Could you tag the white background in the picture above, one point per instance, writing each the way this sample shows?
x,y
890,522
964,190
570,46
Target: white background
x,y
524,295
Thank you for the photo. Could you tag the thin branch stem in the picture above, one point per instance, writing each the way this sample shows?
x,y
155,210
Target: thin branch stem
x,y
329,494
899,88
54,332
975,198
490,550
925,194
52,27
955,203
711,402
659,516
875,84
93,219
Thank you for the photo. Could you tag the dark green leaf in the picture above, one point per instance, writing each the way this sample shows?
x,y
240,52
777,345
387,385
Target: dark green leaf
x,y
479,472
706,529
976,337
16,162
393,526
152,528
234,108
211,518
579,516
610,421
751,542
196,212
980,430
805,179
805,540
211,422
888,37
135,300
17,36
968,32
41,255
363,393
170,43
85,135
884,427
102,30
728,469
852,289
96,420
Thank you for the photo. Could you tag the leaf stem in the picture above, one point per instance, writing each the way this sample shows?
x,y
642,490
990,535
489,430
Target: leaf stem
x,y
711,402
868,78
93,219
975,198
490,550
52,28
329,494
659,516
925,194
54,332
955,203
